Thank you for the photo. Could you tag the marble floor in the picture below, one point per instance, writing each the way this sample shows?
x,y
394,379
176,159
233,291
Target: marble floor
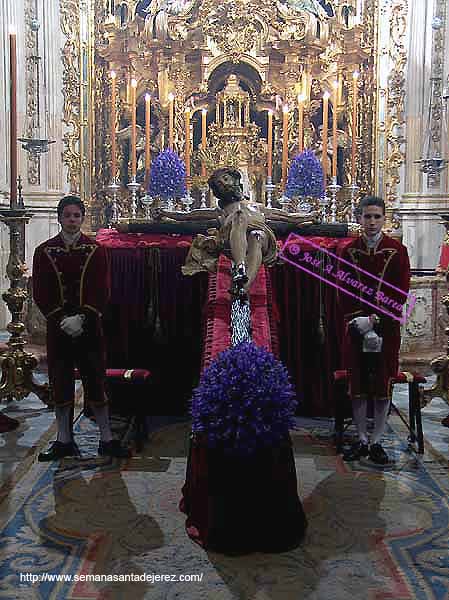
x,y
36,428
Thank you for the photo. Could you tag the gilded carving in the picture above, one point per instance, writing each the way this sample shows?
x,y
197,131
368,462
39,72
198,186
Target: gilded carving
x,y
231,24
71,90
277,49
395,118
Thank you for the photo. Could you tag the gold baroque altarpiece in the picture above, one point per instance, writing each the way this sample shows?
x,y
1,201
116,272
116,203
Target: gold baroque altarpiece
x,y
275,49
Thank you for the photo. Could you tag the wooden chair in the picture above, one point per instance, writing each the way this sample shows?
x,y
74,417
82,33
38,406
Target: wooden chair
x,y
414,424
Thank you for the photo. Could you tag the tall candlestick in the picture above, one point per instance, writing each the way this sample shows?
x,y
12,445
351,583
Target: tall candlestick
x,y
147,139
284,144
133,130
334,130
113,127
325,134
270,145
355,90
300,123
171,99
187,147
203,139
13,118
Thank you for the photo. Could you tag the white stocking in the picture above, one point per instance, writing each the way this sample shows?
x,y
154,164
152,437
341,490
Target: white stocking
x,y
381,408
101,414
359,414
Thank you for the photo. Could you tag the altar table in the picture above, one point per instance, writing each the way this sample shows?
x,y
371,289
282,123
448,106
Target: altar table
x,y
155,320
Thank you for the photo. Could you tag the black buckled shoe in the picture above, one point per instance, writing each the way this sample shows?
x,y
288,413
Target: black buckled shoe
x,y
378,455
356,451
58,450
113,449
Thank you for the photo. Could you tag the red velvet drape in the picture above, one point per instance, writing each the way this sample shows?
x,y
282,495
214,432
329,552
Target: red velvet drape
x,y
166,337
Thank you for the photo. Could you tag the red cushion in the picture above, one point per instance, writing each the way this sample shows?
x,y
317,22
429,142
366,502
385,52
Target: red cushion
x,y
123,374
128,374
340,375
401,377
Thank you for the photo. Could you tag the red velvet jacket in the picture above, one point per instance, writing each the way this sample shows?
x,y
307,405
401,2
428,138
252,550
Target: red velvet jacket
x,y
70,280
390,263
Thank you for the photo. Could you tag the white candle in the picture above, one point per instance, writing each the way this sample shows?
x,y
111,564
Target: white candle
x,y
133,130
355,79
285,111
334,129
326,96
113,126
13,117
171,116
147,138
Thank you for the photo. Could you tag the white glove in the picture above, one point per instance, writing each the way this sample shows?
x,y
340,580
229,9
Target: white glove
x,y
364,324
372,342
73,326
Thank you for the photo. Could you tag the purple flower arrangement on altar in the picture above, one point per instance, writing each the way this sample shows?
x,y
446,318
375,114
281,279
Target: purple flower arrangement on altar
x,y
305,177
168,176
244,402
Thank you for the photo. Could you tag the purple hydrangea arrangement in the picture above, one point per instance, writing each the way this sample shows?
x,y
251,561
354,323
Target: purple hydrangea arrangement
x,y
168,176
244,401
305,176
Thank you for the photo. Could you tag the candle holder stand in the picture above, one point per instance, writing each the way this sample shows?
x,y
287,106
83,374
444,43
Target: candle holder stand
x,y
148,202
114,188
269,187
323,207
17,366
285,203
353,189
187,201
333,189
203,191
133,187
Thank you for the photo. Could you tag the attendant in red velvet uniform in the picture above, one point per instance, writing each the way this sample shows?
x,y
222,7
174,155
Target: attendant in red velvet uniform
x,y
370,368
71,288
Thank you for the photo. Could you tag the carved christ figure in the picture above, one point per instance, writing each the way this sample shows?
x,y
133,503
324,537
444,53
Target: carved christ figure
x,y
243,233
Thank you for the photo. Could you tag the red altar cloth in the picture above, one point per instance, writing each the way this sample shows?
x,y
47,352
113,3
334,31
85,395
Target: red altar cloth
x,y
155,316
444,258
141,263
113,239
242,504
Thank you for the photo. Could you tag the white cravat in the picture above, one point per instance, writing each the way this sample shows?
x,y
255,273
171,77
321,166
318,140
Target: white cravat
x,y
372,241
70,239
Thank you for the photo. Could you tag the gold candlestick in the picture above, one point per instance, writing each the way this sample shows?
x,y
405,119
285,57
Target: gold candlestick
x,y
17,365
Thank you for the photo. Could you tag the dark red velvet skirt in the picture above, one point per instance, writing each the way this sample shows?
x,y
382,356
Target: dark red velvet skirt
x,y
242,504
